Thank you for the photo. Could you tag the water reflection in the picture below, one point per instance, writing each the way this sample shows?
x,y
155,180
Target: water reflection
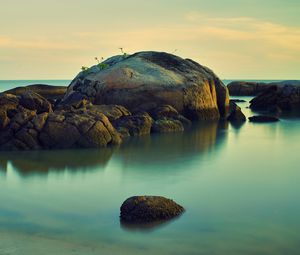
x,y
200,139
42,162
146,227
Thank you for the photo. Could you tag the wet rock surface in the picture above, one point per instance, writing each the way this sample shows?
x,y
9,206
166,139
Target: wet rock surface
x,y
146,209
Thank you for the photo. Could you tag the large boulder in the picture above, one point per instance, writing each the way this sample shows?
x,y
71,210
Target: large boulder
x,y
146,80
147,209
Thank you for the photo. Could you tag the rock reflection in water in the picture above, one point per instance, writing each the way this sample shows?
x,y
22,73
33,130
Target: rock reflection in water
x,y
42,162
200,139
146,227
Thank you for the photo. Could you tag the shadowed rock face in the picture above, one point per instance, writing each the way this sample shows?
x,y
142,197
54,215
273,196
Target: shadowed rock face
x,y
146,80
145,209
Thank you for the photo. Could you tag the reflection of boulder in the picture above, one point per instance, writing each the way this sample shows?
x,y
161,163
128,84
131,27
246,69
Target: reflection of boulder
x,y
199,139
42,162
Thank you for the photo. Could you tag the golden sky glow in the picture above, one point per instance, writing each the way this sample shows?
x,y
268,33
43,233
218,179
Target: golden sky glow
x,y
237,39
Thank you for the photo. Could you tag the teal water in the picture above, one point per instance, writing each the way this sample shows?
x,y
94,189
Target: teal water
x,y
239,185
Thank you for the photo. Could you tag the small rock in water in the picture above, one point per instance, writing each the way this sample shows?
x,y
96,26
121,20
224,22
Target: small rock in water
x,y
145,209
263,118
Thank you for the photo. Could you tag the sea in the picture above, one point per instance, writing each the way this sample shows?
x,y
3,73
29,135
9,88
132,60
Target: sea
x,y
238,184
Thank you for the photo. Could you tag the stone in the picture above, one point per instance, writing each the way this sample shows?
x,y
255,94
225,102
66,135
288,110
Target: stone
x,y
263,119
146,209
112,112
285,99
235,113
146,80
167,126
34,102
136,125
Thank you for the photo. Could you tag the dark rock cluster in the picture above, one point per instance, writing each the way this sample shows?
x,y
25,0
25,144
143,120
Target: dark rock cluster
x,y
30,122
276,99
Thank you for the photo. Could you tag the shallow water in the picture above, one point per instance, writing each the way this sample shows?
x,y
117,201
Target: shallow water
x,y
239,185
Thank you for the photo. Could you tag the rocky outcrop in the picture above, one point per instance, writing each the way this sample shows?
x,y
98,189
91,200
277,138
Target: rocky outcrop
x,y
27,122
147,80
263,119
278,99
145,209
47,91
235,113
242,88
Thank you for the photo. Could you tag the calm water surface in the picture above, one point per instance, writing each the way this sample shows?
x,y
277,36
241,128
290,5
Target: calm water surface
x,y
239,185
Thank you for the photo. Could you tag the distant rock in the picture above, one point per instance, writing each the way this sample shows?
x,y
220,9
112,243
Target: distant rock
x,y
49,92
242,88
147,80
286,99
235,113
263,119
145,209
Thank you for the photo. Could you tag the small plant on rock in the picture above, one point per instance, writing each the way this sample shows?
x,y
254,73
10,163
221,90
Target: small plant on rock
x,y
101,64
125,55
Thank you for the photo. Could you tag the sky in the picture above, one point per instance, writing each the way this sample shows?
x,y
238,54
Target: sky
x,y
238,39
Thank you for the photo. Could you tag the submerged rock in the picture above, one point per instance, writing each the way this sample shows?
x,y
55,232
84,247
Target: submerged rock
x,y
147,80
145,209
263,119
